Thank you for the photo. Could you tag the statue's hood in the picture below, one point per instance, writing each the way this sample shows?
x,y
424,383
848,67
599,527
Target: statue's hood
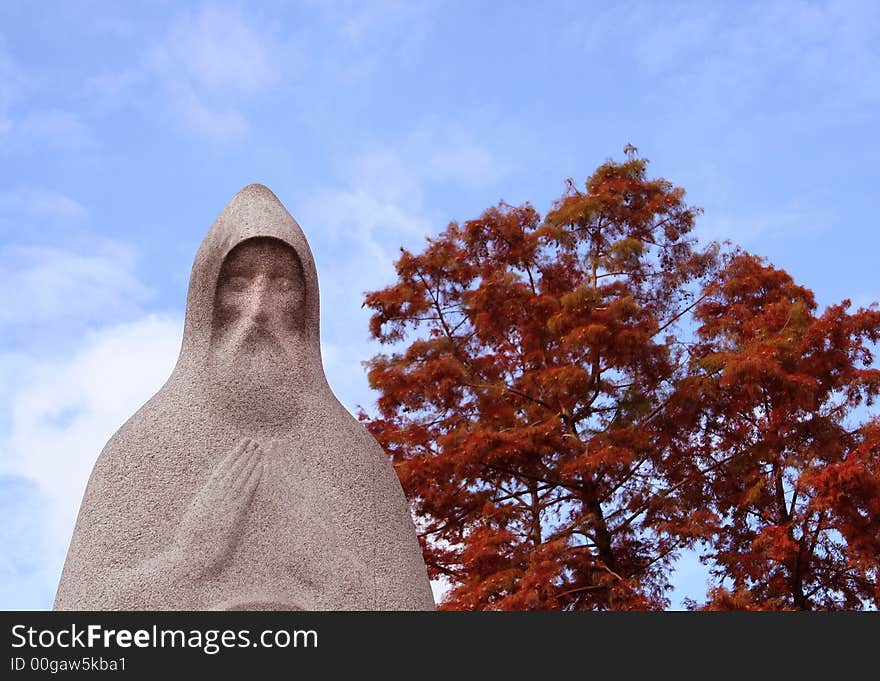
x,y
254,212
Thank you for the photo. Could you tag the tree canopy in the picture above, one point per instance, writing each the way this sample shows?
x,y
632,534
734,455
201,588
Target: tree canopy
x,y
571,400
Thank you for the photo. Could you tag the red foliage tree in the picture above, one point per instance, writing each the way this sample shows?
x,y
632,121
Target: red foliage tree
x,y
762,442
520,413
849,492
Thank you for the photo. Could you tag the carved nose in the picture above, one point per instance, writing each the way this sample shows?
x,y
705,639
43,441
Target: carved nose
x,y
258,307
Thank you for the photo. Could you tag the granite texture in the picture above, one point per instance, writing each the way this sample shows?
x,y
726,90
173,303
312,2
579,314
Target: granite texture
x,y
244,483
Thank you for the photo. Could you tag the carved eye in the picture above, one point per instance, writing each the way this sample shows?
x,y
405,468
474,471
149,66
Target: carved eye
x,y
283,283
237,283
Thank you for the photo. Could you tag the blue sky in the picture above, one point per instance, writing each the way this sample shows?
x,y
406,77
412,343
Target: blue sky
x,y
126,127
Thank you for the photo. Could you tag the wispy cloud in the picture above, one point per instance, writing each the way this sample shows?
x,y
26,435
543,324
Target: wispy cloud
x,y
26,582
376,30
724,57
208,70
358,226
62,413
39,203
202,73
57,287
362,21
55,127
211,62
385,187
747,229
24,125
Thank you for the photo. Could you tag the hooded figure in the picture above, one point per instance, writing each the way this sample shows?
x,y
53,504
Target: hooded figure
x,y
244,483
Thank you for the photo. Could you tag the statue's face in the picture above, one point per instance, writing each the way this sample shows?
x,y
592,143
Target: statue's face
x,y
259,300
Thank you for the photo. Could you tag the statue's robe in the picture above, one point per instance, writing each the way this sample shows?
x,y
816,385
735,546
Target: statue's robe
x,y
328,527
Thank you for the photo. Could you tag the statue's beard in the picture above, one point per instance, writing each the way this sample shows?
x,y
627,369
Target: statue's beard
x,y
256,349
256,373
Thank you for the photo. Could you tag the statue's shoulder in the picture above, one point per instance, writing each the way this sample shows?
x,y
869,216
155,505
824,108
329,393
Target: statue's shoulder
x,y
146,428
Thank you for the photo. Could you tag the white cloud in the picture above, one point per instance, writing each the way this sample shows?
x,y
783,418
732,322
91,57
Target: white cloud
x,y
344,374
110,90
386,186
362,22
221,50
747,230
719,59
209,65
212,64
25,581
364,35
215,120
57,286
57,127
366,222
64,411
357,229
42,204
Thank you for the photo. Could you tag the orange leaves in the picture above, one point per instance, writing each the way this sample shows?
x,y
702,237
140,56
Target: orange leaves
x,y
753,299
777,544
560,432
765,337
850,492
781,467
517,412
502,234
721,599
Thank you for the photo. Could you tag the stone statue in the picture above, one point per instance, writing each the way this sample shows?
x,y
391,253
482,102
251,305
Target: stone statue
x,y
243,483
